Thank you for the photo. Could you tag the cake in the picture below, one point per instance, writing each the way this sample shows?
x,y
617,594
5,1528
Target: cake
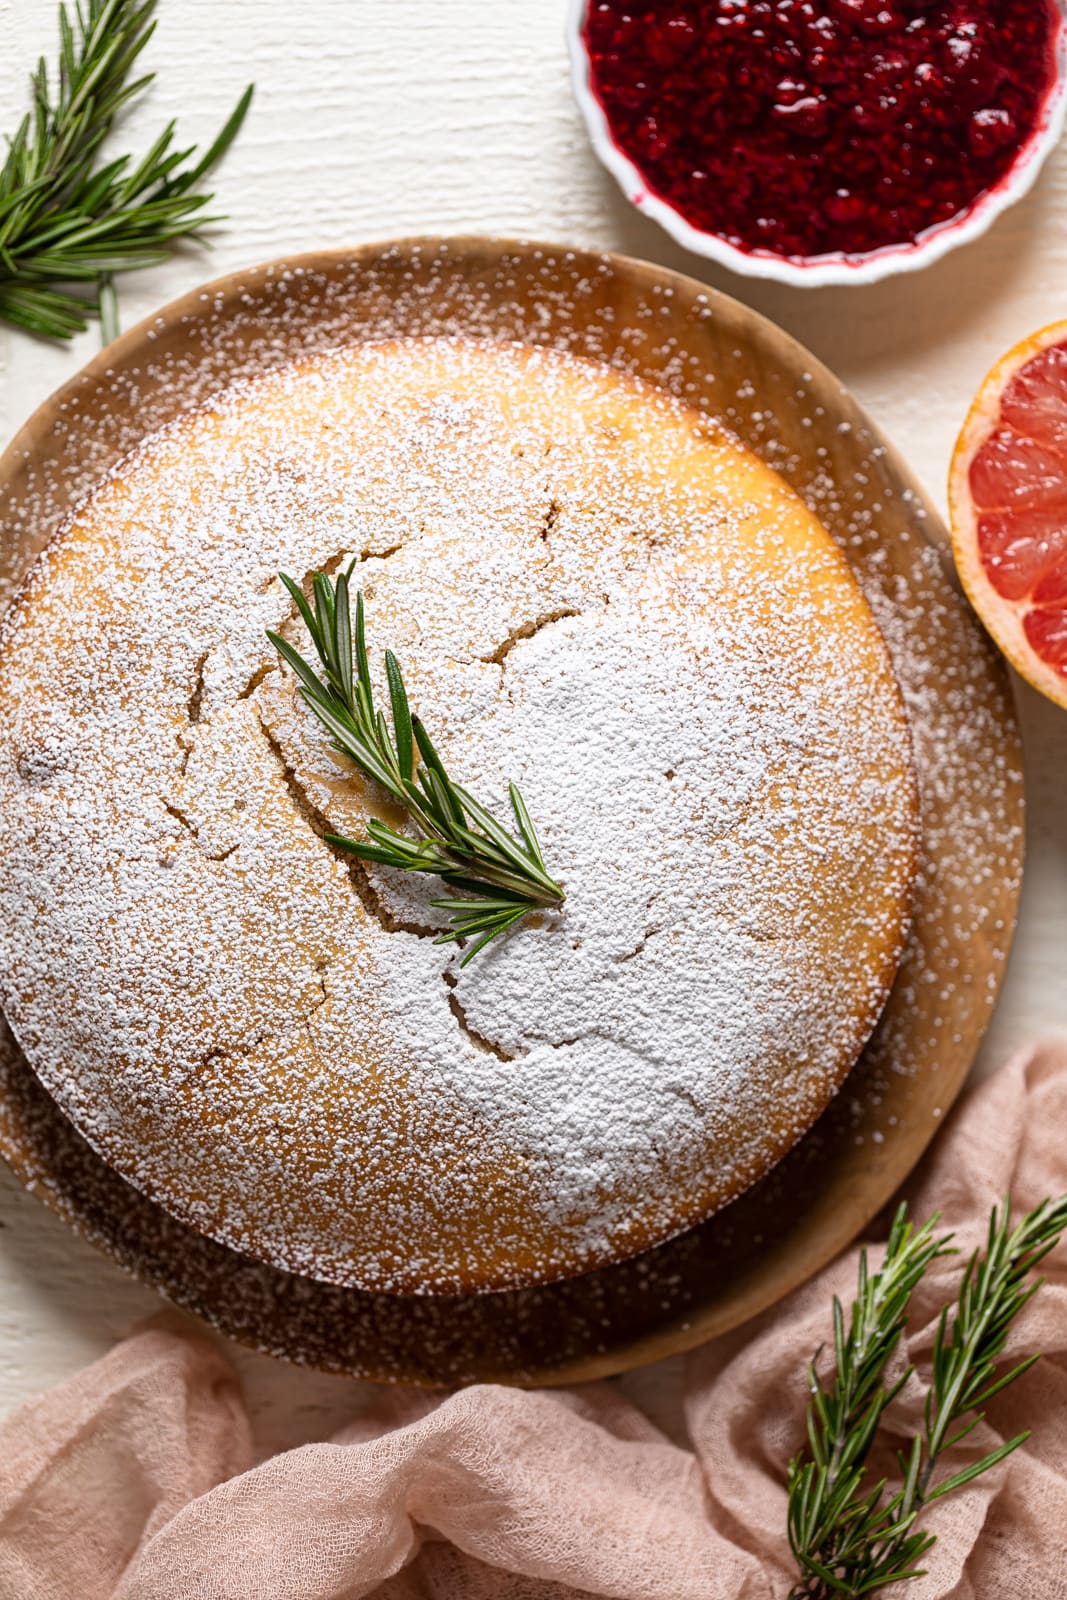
x,y
593,592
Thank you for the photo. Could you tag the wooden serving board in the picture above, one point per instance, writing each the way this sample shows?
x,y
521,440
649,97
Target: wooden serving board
x,y
742,370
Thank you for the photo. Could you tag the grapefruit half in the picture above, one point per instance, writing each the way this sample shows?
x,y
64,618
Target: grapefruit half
x,y
1008,504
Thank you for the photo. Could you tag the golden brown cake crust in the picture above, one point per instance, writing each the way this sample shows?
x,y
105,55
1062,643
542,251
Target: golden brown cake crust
x,y
592,592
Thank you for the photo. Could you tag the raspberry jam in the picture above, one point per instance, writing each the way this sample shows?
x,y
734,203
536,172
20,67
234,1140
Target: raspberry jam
x,y
803,128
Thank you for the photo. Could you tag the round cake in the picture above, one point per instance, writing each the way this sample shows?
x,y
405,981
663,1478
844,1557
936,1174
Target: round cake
x,y
592,592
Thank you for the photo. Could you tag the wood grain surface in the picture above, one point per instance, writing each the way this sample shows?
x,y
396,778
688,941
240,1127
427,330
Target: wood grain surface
x,y
374,121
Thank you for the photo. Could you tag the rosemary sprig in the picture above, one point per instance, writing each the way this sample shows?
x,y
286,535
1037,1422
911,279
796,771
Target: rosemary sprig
x,y
850,1538
500,878
69,225
828,1514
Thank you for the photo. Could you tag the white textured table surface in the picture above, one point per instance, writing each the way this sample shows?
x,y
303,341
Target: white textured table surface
x,y
377,120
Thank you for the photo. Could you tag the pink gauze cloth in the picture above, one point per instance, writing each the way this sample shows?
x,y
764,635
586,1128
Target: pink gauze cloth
x,y
136,1479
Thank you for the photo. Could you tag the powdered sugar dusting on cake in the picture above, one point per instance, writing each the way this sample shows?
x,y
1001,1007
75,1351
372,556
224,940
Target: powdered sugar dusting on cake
x,y
589,595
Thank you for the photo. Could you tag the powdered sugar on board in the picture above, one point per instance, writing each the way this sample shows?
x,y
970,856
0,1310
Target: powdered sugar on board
x,y
589,596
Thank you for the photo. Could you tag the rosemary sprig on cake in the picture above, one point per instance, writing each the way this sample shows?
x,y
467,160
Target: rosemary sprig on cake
x,y
500,878
68,225
851,1537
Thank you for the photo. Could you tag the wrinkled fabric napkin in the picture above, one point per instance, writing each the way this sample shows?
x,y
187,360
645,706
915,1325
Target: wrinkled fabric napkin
x,y
136,1479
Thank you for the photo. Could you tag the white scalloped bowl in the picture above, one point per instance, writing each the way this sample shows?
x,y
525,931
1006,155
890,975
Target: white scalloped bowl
x,y
817,271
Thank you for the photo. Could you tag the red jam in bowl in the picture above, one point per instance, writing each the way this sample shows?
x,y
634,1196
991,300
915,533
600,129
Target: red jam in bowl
x,y
804,128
